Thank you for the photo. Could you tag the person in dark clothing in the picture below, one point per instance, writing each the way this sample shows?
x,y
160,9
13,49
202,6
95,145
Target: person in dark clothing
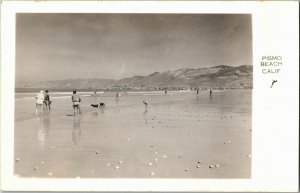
x,y
76,101
47,101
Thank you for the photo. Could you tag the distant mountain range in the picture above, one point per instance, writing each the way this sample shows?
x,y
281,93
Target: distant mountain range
x,y
218,76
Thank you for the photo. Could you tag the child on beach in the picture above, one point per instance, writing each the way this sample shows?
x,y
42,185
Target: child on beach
x,y
76,101
39,102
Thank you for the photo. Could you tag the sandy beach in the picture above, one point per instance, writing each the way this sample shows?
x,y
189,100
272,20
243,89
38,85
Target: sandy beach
x,y
180,135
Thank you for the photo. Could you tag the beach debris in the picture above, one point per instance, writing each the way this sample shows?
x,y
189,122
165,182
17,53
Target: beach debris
x,y
97,152
156,160
178,157
108,164
52,147
17,159
249,155
36,168
228,141
217,165
211,166
152,173
50,174
186,170
198,166
250,129
151,146
42,162
120,161
199,162
152,126
159,122
150,164
117,167
164,156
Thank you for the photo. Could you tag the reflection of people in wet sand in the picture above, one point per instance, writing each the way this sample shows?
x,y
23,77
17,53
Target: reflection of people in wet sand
x,y
145,115
39,103
43,130
76,103
146,110
76,133
47,101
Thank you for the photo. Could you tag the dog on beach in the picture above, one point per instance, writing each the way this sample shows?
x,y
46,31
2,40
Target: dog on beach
x,y
99,106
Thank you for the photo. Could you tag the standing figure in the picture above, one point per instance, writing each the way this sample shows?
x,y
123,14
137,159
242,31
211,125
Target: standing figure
x,y
197,91
118,95
47,101
210,92
76,103
166,92
39,102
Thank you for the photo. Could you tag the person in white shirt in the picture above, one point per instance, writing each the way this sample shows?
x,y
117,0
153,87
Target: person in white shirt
x,y
39,100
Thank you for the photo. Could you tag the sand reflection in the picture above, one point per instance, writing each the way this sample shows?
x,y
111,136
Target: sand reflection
x,y
43,129
76,133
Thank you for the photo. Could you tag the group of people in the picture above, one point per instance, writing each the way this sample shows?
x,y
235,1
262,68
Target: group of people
x,y
42,100
210,92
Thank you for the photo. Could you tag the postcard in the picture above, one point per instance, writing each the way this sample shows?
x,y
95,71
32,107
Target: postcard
x,y
149,96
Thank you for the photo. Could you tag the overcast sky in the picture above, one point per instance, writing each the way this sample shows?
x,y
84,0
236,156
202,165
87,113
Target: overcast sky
x,y
114,46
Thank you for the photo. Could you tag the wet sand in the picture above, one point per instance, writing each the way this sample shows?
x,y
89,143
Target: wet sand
x,y
180,135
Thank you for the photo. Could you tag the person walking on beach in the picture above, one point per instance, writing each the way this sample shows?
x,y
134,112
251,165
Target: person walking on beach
x,y
39,102
166,92
47,101
210,92
118,95
197,91
76,103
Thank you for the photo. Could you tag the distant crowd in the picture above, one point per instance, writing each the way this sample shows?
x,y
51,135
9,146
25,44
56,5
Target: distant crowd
x,y
43,101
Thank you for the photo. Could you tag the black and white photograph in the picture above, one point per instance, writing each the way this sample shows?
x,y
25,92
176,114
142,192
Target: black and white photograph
x,y
133,95
149,96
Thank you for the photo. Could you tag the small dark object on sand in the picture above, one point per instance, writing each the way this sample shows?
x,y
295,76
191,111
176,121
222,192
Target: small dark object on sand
x,y
100,105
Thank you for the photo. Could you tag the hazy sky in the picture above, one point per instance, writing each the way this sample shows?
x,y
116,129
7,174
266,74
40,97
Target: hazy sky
x,y
114,46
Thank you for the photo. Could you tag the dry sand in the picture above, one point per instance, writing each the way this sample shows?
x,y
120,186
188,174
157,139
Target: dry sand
x,y
181,135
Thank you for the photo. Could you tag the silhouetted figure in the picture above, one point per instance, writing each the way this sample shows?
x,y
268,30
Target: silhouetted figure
x,y
118,96
76,103
47,101
210,92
